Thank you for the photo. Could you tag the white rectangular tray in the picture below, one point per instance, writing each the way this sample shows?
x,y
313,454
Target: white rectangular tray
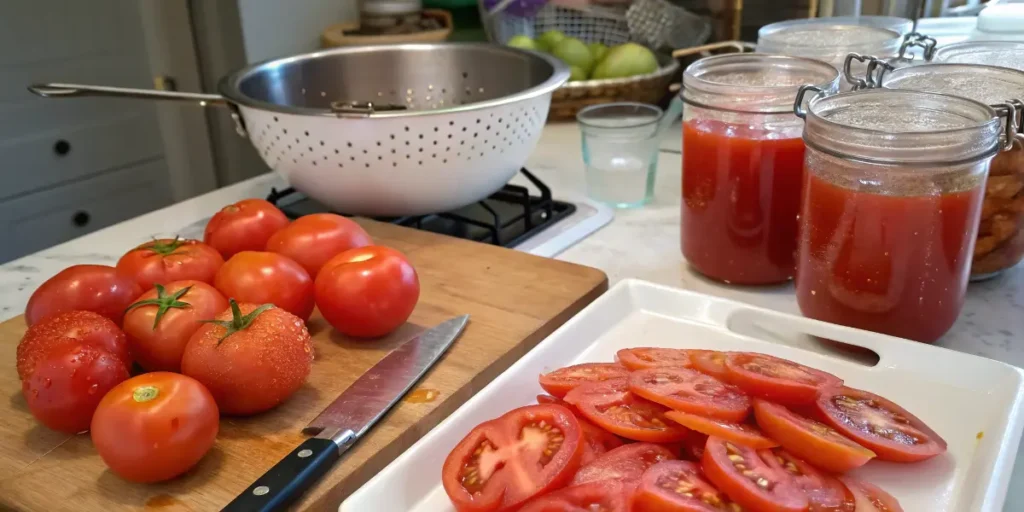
x,y
974,403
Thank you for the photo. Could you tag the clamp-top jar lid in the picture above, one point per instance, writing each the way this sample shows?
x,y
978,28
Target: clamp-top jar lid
x,y
753,82
899,127
827,40
1004,54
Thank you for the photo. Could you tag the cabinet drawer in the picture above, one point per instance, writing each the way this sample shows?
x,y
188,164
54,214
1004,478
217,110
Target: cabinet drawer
x,y
43,219
73,152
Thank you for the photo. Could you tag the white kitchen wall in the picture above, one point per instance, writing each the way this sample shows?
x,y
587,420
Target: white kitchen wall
x,y
272,28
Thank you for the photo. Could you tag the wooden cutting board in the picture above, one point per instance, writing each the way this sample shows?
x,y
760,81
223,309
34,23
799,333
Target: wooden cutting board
x,y
514,300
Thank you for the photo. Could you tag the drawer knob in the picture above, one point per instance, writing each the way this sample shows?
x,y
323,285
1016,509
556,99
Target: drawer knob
x,y
62,147
80,218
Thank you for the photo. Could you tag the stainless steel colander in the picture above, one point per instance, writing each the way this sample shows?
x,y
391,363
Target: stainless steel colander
x,y
385,130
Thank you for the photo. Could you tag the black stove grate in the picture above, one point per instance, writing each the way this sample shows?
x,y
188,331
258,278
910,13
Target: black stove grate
x,y
506,218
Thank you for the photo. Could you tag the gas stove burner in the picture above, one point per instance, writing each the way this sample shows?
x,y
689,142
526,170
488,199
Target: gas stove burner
x,y
507,218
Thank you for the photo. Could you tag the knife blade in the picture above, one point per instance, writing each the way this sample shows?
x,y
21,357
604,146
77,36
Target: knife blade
x,y
348,418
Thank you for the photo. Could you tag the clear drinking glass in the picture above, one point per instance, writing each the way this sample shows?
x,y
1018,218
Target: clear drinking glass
x,y
620,151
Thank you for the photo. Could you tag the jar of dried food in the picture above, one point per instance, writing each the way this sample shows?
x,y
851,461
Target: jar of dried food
x,y
743,164
895,181
1000,243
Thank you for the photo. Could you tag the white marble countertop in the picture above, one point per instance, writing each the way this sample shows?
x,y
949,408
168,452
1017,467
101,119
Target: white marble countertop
x,y
641,243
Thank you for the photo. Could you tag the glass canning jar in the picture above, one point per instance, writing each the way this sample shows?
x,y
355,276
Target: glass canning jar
x,y
828,41
1000,243
891,201
743,164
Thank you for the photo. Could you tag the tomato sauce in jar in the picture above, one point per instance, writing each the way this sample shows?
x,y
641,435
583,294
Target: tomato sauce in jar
x,y
743,164
894,185
741,198
890,264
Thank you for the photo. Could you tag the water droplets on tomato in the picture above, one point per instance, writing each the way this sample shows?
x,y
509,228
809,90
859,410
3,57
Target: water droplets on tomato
x,y
93,389
47,383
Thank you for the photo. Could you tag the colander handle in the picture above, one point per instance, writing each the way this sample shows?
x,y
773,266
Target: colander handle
x,y
74,90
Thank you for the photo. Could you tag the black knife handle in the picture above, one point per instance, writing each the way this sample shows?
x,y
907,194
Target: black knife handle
x,y
286,482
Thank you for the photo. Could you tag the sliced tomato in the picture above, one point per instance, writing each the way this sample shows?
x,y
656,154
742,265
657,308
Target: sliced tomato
x,y
649,357
886,428
548,399
691,391
824,492
611,406
692,448
563,380
504,462
596,441
739,472
711,362
604,496
625,463
739,433
810,440
678,486
776,379
869,497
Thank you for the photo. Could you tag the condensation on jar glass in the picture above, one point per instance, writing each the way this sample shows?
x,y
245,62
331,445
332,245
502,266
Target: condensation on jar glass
x,y
829,41
743,164
1004,54
892,196
1000,242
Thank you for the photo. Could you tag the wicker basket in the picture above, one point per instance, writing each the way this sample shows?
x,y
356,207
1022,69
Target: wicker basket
x,y
650,88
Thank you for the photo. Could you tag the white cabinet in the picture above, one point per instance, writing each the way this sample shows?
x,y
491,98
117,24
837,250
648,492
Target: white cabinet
x,y
71,166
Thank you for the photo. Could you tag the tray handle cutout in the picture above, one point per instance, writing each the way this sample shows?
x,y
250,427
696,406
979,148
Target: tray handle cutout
x,y
830,340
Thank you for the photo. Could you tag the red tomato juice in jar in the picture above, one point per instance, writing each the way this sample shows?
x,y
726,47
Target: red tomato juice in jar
x,y
890,264
741,198
743,164
892,196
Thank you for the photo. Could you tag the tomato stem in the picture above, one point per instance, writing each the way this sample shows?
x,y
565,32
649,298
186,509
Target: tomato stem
x,y
143,394
166,249
163,302
238,321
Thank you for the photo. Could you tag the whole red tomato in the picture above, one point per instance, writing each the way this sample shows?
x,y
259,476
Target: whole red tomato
x,y
252,359
161,322
165,260
85,326
267,277
367,292
244,226
68,383
313,239
155,427
97,288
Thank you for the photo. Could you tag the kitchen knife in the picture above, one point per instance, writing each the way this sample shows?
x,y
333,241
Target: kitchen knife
x,y
350,416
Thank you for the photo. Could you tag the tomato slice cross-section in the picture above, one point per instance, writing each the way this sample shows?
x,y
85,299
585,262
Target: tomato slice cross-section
x,y
506,461
824,492
601,496
810,440
625,463
642,358
869,497
739,433
776,379
679,486
711,362
561,381
739,472
691,391
889,430
611,406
